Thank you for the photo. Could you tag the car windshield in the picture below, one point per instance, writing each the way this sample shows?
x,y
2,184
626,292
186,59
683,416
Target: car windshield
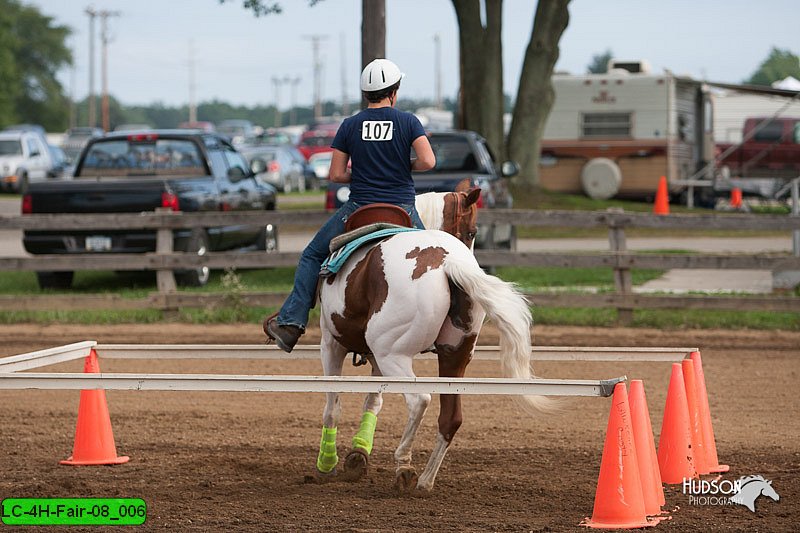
x,y
120,157
10,147
453,154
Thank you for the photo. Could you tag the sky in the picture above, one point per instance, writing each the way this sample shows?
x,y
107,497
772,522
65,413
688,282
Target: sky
x,y
237,55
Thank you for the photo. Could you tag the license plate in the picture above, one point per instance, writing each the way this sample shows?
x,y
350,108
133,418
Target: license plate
x,y
98,243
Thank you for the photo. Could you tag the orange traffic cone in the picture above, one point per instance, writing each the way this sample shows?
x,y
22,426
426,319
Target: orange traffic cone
x,y
675,455
652,491
94,440
661,206
709,440
618,501
695,418
736,198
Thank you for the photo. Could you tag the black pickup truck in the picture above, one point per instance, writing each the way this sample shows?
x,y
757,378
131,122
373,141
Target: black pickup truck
x,y
134,172
460,155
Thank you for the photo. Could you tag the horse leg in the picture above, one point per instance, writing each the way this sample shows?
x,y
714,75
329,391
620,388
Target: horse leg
x,y
417,404
357,461
454,345
333,355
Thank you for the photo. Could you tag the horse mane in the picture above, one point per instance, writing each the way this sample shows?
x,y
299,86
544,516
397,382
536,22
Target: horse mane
x,y
430,207
749,479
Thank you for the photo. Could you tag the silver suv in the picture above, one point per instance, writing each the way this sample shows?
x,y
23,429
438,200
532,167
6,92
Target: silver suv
x,y
24,158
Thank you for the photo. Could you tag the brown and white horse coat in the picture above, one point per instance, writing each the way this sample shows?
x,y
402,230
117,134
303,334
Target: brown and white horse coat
x,y
413,291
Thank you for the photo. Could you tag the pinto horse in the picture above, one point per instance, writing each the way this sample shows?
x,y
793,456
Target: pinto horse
x,y
413,292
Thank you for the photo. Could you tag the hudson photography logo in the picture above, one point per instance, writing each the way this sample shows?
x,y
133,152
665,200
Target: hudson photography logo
x,y
743,491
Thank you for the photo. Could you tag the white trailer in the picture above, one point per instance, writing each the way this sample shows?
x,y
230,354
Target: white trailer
x,y
616,134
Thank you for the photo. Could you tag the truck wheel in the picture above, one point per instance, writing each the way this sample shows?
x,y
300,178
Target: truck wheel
x,y
268,238
601,178
198,277
55,280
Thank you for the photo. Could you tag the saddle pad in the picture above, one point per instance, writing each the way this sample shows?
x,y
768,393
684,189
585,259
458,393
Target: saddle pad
x,y
340,240
336,260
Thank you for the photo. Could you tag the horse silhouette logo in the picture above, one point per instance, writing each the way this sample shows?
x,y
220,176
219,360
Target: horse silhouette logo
x,y
751,487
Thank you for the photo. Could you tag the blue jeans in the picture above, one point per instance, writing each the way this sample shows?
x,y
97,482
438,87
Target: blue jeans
x,y
300,301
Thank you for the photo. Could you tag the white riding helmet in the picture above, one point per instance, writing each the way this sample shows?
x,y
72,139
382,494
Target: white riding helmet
x,y
380,74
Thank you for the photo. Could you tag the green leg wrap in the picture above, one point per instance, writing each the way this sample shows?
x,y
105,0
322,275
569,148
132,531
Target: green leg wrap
x,y
366,432
327,458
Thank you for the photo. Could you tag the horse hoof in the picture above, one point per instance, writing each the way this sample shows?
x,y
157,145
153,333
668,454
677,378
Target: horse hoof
x,y
405,480
320,478
356,465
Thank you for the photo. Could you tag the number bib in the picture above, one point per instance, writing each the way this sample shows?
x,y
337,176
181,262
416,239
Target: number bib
x,y
377,130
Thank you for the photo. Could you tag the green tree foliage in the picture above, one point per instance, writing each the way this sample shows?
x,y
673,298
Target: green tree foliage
x,y
32,50
599,64
778,65
266,7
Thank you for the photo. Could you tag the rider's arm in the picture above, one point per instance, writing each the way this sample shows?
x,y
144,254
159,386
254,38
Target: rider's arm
x,y
425,159
339,173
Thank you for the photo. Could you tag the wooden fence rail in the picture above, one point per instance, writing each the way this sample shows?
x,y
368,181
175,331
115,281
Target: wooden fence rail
x,y
618,258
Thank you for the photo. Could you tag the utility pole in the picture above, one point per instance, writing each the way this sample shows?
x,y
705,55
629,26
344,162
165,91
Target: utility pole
x,y
373,32
104,15
293,111
277,82
192,96
343,62
92,119
315,41
438,69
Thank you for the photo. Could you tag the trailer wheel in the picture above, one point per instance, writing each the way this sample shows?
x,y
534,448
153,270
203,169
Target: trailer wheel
x,y
601,178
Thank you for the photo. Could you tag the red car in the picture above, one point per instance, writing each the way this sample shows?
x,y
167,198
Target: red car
x,y
317,140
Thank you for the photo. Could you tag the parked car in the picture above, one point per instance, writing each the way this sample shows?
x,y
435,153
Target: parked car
x,y
133,127
61,165
24,158
35,128
281,170
76,138
460,155
201,125
237,130
183,170
312,181
321,164
317,140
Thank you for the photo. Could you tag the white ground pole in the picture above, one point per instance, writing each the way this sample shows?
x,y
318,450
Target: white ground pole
x,y
11,376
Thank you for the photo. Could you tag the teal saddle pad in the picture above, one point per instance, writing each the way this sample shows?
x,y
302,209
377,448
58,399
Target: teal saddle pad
x,y
337,259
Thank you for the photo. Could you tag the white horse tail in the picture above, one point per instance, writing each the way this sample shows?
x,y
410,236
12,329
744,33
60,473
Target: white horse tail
x,y
509,310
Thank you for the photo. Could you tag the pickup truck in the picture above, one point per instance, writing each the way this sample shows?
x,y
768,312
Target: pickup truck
x,y
460,155
771,149
133,172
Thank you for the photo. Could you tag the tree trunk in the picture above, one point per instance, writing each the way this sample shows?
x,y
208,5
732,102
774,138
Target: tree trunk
x,y
373,34
535,94
481,57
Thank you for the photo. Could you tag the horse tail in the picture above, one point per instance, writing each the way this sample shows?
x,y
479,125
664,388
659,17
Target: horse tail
x,y
509,310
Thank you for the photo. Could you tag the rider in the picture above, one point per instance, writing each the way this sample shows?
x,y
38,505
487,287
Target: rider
x,y
377,141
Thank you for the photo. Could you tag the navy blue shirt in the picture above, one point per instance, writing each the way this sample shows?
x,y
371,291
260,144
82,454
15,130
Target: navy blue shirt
x,y
378,141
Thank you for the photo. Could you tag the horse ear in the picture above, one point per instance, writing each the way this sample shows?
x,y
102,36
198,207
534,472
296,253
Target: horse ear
x,y
464,185
472,196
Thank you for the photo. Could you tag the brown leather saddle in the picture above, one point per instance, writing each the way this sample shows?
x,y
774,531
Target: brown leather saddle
x,y
368,219
378,213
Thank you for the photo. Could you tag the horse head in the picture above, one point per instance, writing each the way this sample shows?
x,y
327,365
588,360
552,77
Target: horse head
x,y
454,212
751,488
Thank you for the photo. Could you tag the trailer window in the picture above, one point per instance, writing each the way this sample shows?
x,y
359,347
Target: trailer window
x,y
606,124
